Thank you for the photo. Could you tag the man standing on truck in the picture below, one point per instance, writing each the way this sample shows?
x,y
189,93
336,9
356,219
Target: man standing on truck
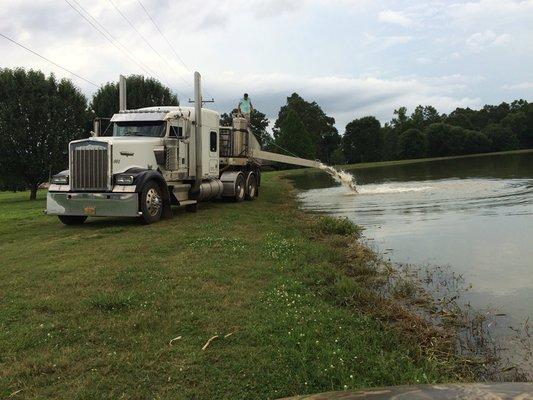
x,y
245,107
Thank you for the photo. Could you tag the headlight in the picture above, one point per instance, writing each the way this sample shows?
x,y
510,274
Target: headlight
x,y
124,179
60,179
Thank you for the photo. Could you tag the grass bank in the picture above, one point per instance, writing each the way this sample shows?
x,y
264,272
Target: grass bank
x,y
115,309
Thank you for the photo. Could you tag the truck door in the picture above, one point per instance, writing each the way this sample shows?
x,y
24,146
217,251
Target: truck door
x,y
180,129
213,153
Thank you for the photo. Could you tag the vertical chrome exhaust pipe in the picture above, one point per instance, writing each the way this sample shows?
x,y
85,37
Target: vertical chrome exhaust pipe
x,y
198,129
122,105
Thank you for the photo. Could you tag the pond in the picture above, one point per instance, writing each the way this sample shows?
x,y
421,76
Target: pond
x,y
473,214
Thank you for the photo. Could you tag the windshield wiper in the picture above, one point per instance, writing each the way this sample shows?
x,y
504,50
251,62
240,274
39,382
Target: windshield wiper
x,y
133,133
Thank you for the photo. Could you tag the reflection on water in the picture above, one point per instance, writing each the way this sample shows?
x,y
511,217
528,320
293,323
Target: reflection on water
x,y
474,214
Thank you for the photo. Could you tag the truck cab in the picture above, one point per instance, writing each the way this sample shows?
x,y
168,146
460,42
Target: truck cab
x,y
155,157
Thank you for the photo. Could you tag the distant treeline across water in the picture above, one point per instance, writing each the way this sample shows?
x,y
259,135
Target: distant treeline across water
x,y
303,128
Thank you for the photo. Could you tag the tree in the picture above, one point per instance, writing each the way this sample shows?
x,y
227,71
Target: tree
x,y
412,144
39,116
320,127
444,140
475,142
9,182
362,140
518,123
519,105
337,157
293,136
494,114
527,138
389,138
141,92
502,138
329,146
400,122
258,124
463,117
424,116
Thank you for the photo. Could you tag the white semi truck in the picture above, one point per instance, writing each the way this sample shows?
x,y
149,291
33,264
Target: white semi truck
x,y
158,157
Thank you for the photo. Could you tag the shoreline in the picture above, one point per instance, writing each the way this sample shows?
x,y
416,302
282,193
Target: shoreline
x,y
441,319
446,308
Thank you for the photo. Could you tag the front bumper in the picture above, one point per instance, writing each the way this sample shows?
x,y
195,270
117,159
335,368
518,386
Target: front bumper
x,y
93,204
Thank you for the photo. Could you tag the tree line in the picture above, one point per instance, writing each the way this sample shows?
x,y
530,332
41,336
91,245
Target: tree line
x,y
40,114
304,129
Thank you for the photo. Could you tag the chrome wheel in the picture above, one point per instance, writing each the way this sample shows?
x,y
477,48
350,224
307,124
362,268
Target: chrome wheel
x,y
251,187
240,188
153,202
240,191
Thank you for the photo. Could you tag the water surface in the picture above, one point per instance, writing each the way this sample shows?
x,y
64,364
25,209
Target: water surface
x,y
473,214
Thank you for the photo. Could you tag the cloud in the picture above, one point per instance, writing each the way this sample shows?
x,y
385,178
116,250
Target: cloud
x,y
331,51
481,40
379,43
272,8
389,41
423,60
344,97
395,18
490,12
519,86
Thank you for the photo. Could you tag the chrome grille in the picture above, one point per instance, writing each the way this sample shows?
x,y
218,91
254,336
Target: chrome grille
x,y
89,166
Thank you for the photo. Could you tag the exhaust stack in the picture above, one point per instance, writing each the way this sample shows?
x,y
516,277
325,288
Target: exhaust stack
x,y
122,105
97,126
198,129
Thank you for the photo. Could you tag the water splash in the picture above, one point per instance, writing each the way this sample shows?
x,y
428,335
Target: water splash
x,y
391,189
344,178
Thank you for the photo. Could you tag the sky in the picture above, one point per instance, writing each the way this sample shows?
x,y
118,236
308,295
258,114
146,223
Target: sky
x,y
353,57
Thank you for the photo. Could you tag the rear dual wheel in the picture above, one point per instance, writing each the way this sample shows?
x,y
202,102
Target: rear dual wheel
x,y
240,188
251,187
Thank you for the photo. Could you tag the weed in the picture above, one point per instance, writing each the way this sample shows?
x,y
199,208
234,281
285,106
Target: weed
x,y
404,288
349,292
337,226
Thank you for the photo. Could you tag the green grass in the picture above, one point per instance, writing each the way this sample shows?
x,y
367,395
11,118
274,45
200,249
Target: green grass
x,y
89,312
337,226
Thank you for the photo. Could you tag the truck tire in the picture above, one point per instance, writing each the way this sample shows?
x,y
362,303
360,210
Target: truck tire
x,y
251,187
240,188
151,202
72,219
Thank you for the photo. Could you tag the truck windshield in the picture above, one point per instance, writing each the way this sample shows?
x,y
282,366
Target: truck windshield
x,y
139,128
